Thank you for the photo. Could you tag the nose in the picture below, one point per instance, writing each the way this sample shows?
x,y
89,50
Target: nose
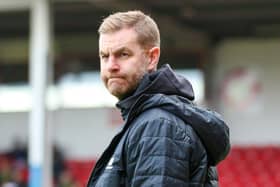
x,y
112,64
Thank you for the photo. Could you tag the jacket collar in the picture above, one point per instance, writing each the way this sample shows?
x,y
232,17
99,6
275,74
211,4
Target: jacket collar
x,y
163,81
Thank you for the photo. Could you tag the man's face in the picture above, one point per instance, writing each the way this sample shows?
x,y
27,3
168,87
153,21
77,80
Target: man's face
x,y
123,62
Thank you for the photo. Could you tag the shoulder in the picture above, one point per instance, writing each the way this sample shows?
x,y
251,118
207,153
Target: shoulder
x,y
157,122
157,114
160,131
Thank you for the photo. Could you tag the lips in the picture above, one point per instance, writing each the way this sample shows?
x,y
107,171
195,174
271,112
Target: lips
x,y
114,79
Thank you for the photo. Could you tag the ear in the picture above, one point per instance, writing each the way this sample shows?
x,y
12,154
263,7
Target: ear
x,y
154,54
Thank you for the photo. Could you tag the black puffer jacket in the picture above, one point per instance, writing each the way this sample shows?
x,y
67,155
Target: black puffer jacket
x,y
165,141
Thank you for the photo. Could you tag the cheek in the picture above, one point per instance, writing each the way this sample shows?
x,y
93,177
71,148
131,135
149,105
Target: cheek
x,y
102,67
137,74
103,76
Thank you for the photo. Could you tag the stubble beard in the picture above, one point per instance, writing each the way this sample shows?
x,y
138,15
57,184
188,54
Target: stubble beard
x,y
122,91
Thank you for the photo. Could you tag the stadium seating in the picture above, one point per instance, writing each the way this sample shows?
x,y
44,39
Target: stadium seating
x,y
250,166
80,170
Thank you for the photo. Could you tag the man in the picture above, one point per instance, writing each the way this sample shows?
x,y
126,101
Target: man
x,y
165,140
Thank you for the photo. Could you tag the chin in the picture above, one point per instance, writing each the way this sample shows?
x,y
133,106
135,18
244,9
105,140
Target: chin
x,y
121,96
121,92
117,94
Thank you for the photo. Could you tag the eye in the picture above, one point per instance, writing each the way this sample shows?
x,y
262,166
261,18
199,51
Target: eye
x,y
124,54
103,56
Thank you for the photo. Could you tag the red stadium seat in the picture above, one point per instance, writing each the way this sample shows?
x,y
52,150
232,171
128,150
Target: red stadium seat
x,y
80,170
251,167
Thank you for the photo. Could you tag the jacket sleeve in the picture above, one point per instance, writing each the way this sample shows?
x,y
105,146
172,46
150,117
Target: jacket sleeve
x,y
158,154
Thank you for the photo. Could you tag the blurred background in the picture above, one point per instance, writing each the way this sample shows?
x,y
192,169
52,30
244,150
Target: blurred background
x,y
229,50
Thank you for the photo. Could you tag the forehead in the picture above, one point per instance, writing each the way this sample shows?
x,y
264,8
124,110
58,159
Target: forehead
x,y
121,38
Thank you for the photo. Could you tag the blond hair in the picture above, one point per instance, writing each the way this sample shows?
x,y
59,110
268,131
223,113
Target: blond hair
x,y
144,25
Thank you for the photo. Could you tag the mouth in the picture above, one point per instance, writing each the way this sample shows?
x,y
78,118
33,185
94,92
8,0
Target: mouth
x,y
114,79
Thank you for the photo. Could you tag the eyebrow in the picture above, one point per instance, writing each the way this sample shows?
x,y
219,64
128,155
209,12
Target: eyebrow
x,y
101,53
117,50
120,49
